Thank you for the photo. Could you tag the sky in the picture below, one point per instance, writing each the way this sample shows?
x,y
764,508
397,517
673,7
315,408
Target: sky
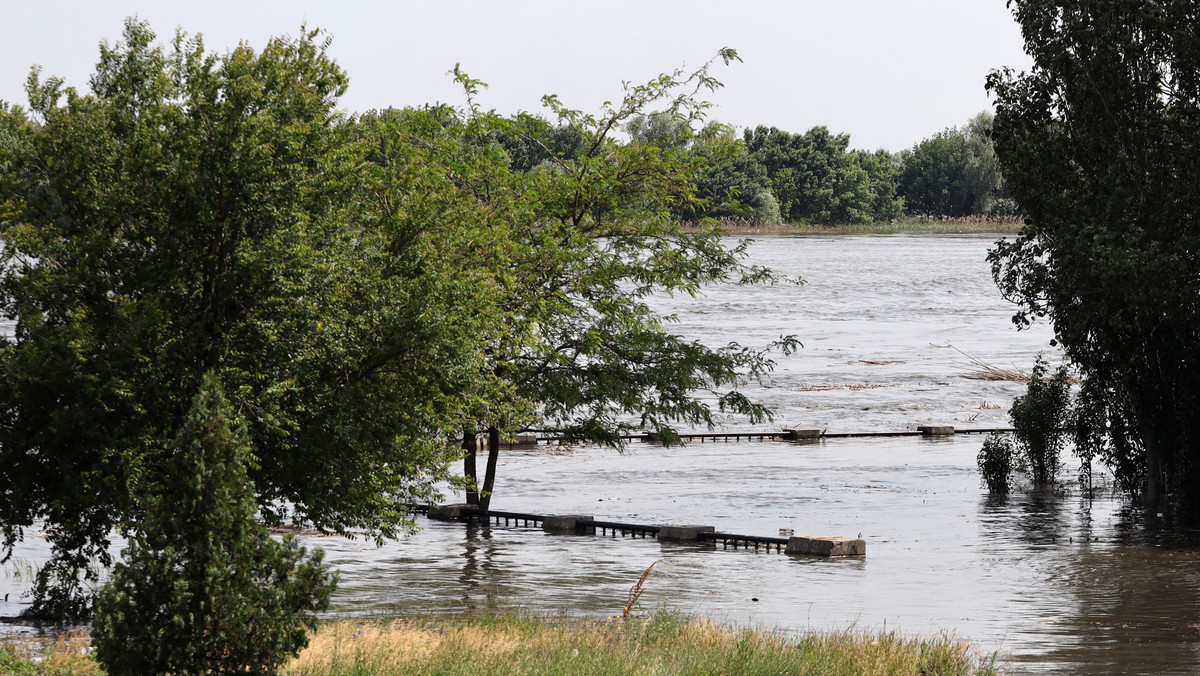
x,y
887,72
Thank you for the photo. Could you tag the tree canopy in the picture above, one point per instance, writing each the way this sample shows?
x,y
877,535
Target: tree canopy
x,y
815,179
954,173
369,291
591,234
1100,143
196,213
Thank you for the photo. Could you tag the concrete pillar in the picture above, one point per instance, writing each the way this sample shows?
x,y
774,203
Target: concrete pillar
x,y
937,430
683,533
447,512
570,524
826,545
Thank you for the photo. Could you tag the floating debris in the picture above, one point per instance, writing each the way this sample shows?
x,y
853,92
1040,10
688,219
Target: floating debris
x,y
981,370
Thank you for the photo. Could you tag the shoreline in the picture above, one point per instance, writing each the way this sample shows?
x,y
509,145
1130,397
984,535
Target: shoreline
x,y
909,227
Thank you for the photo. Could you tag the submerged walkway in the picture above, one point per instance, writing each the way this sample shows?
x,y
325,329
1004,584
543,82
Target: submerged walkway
x,y
577,524
794,434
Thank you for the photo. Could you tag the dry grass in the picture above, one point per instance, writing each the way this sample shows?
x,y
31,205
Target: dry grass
x,y
635,592
513,643
65,654
981,370
664,643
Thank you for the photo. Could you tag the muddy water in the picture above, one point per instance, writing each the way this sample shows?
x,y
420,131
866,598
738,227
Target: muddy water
x,y
1055,585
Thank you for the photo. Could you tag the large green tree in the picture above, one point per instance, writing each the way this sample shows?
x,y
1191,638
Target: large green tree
x,y
591,236
816,179
933,181
195,213
954,172
732,182
1100,144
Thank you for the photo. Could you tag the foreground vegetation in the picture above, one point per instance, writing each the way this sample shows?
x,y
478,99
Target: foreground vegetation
x,y
519,643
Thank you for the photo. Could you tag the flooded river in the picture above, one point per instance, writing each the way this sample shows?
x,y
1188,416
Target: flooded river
x,y
1064,584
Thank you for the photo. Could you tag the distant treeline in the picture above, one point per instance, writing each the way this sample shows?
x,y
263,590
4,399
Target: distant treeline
x,y
771,176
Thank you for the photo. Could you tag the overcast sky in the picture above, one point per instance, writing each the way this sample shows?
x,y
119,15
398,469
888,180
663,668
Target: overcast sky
x,y
888,72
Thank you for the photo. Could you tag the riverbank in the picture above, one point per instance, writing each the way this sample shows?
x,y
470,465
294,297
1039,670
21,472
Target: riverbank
x,y
515,642
941,226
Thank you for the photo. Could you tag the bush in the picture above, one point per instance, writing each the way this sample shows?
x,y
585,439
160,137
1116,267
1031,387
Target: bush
x,y
1040,419
996,463
203,588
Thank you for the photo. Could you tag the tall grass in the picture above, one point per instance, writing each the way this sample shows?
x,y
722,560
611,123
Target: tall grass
x,y
65,654
511,642
664,643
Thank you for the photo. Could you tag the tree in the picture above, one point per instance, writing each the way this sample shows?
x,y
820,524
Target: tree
x,y
197,213
1100,144
812,175
530,141
589,239
984,180
728,180
1041,420
203,588
933,180
953,173
883,172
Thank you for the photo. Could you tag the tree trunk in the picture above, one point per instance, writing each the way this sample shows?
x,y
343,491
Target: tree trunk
x,y
493,444
470,445
1153,473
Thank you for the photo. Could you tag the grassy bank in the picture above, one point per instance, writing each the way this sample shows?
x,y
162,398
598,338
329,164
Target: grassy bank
x,y
521,643
664,643
970,224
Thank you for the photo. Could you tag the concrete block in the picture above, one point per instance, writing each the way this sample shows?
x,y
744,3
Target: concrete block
x,y
524,440
937,430
797,434
569,524
826,545
683,533
448,512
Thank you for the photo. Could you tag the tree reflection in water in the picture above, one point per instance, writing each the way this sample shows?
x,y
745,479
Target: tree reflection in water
x,y
1117,590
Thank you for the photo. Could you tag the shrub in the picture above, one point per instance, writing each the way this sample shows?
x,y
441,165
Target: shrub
x,y
202,587
1040,419
996,463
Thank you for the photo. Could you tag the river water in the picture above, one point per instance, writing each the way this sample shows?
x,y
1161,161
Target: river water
x,y
1062,584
